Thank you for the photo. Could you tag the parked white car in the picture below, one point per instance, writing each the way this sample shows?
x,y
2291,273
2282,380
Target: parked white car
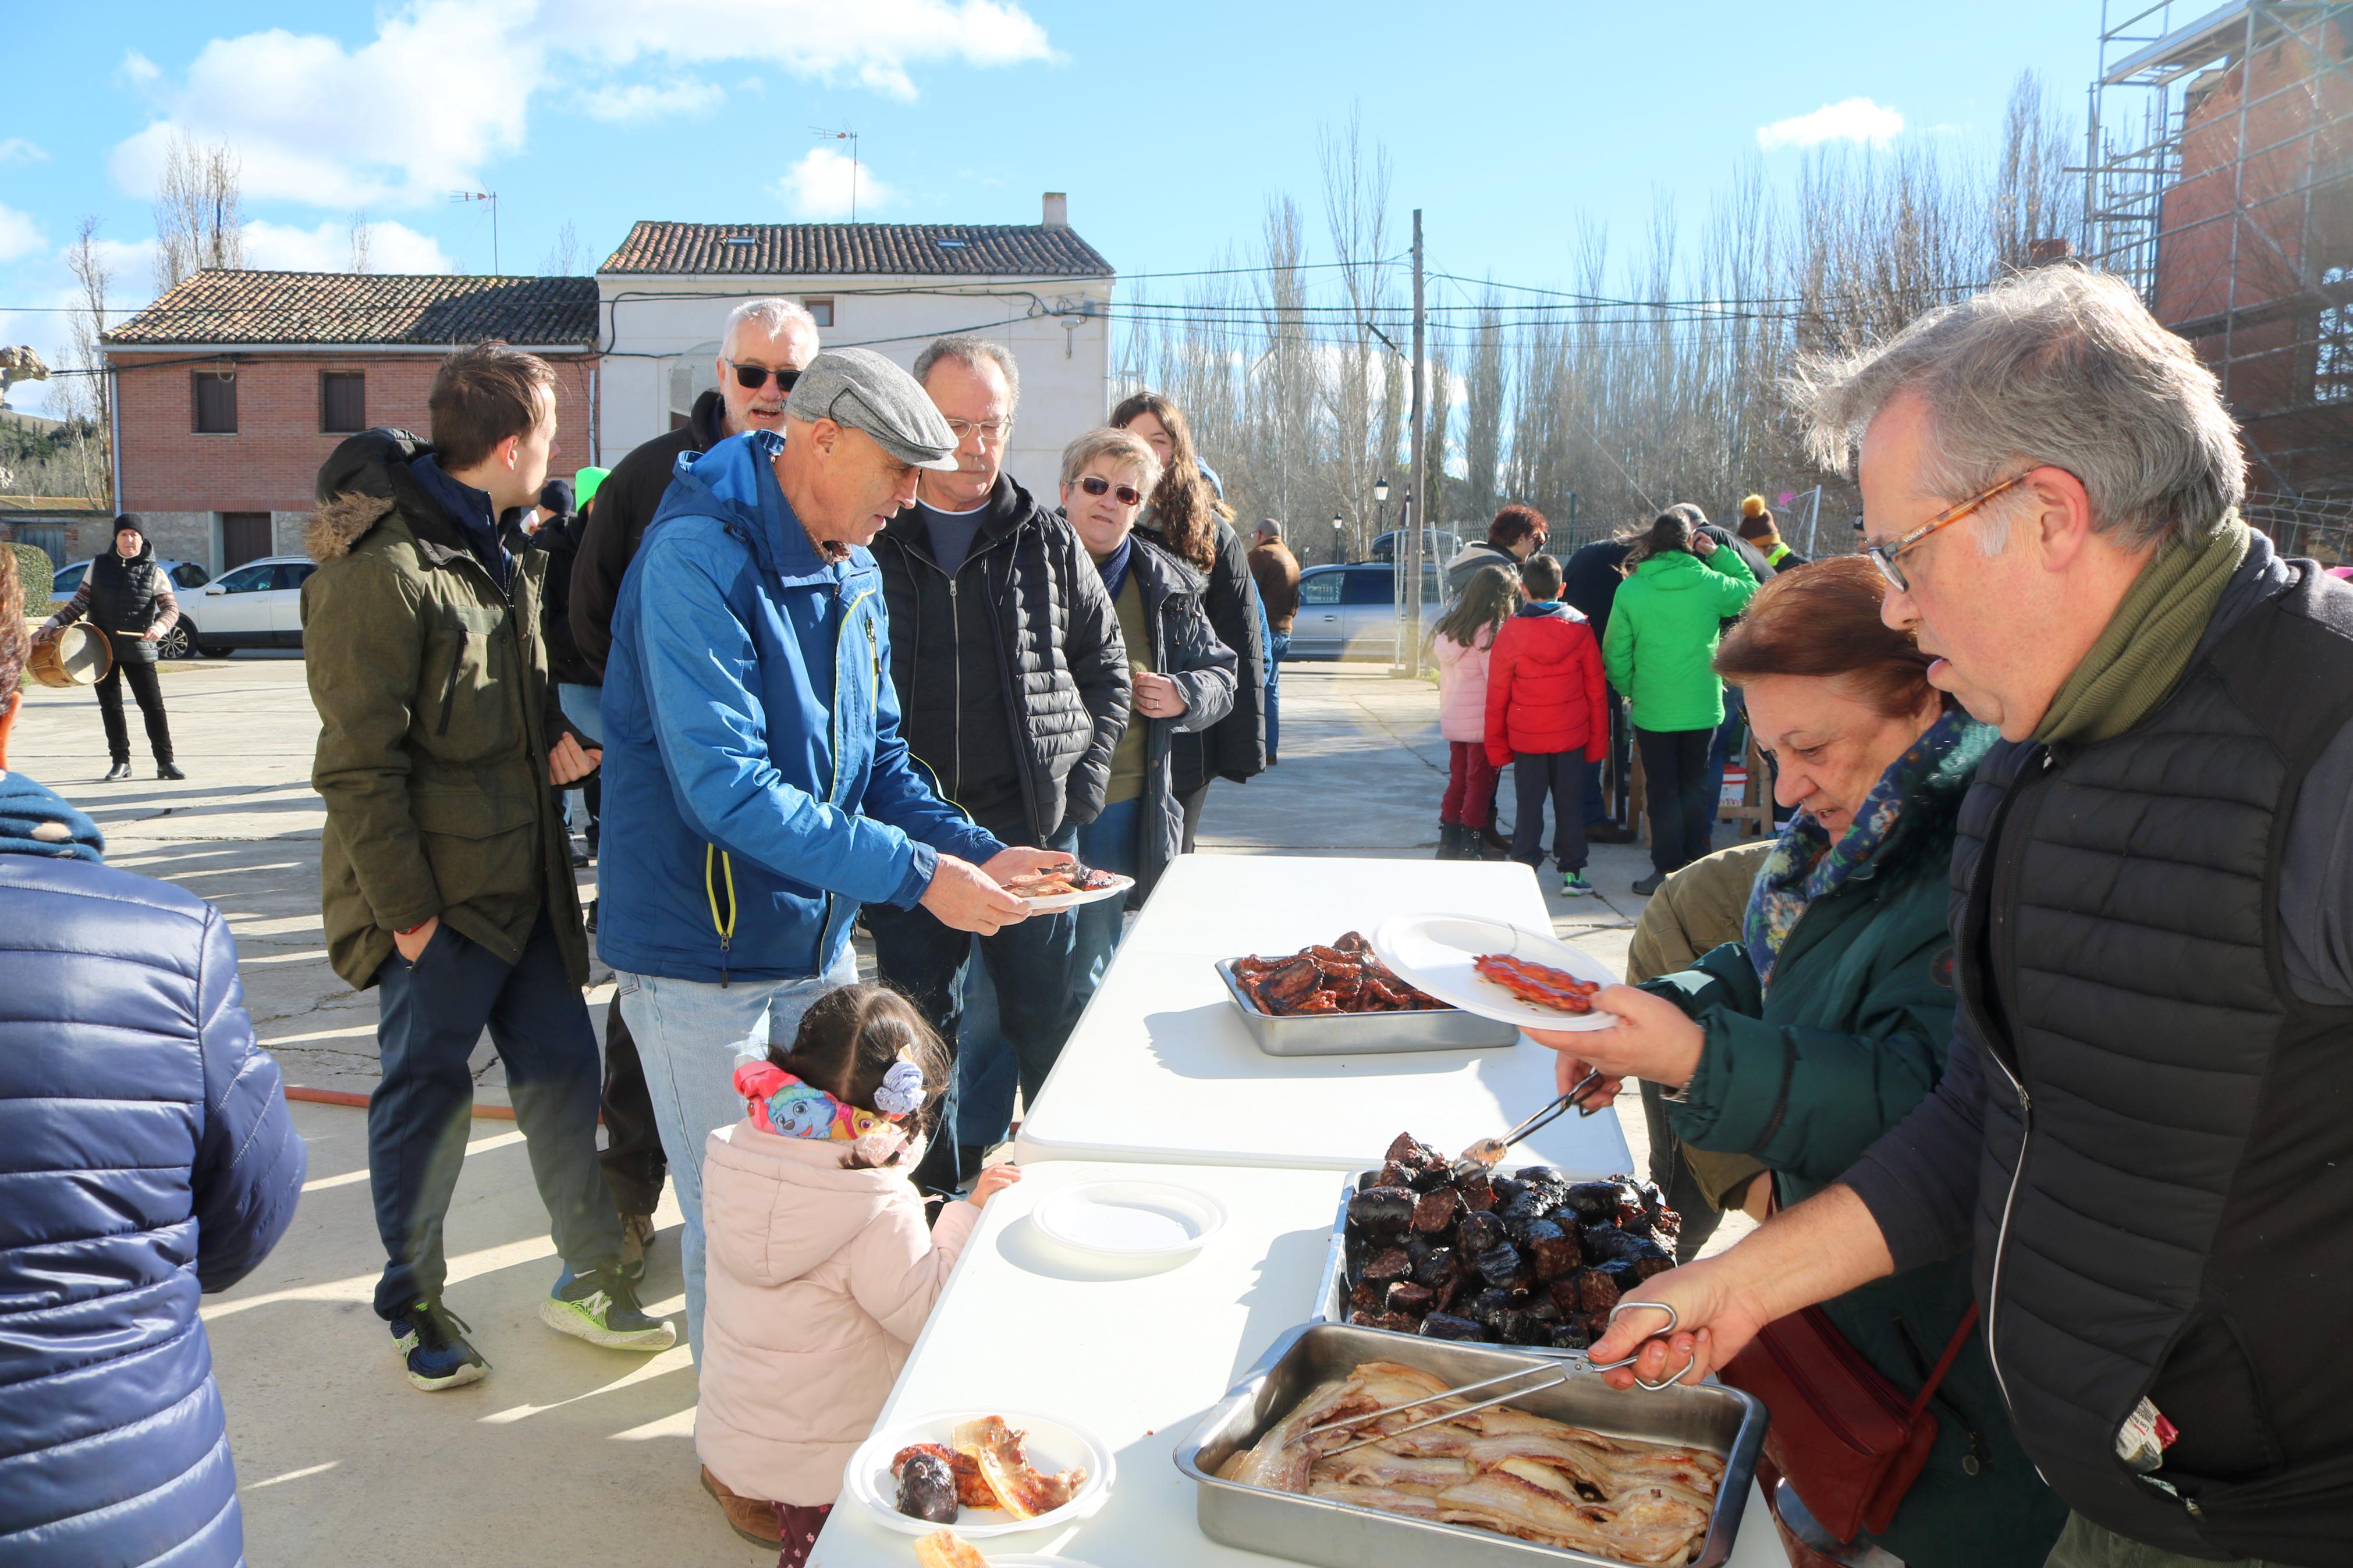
x,y
186,578
1350,612
260,604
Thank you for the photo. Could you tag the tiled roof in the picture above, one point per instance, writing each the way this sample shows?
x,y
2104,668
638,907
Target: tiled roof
x,y
222,306
885,250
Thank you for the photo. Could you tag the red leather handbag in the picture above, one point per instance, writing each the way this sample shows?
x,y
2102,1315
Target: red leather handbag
x,y
1846,1438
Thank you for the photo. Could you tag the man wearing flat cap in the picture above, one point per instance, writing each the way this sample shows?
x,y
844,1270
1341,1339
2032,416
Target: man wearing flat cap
x,y
757,790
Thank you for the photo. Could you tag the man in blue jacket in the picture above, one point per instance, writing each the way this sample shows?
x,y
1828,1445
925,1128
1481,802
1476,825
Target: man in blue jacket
x,y
145,1156
757,790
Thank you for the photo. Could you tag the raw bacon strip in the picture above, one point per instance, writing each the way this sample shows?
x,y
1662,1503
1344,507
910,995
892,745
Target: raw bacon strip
x,y
1539,983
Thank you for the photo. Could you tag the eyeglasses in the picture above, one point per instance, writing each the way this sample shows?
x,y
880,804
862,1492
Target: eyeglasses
x,y
991,431
751,377
1127,495
1884,555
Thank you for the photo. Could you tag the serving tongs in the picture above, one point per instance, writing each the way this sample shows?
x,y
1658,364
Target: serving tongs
x,y
1483,1156
1554,1377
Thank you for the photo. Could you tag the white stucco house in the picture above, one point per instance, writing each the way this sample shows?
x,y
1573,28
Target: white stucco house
x,y
1041,290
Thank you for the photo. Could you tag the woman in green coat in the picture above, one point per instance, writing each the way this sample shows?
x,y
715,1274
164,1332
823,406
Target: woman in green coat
x,y
1679,589
1828,1021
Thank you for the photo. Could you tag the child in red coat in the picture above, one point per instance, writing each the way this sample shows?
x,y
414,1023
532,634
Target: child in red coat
x,y
1546,716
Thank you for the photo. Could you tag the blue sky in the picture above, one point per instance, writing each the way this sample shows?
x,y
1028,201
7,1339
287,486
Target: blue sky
x,y
1169,126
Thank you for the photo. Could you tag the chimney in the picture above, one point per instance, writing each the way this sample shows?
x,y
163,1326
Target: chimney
x,y
2050,252
1058,210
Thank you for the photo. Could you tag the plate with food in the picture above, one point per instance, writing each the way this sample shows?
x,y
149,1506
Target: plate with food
x,y
1067,886
1497,970
1135,1221
984,1473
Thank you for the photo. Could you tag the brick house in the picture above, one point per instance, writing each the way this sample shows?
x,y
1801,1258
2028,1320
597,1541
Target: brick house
x,y
232,389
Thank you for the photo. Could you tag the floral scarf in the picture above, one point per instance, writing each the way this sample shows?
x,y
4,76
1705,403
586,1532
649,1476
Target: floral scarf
x,y
1806,865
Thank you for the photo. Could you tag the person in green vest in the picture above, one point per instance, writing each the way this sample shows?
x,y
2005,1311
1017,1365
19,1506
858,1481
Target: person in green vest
x,y
1680,587
1828,1021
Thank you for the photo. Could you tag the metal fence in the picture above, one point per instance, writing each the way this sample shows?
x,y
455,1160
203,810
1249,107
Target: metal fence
x,y
2321,527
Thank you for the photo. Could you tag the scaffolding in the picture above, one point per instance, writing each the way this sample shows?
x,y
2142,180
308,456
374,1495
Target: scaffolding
x,y
2218,181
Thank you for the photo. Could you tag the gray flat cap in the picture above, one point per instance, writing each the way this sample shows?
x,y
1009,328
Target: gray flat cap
x,y
860,389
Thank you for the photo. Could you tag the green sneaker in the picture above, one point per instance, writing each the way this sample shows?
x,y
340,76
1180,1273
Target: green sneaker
x,y
601,1307
431,1341
1573,885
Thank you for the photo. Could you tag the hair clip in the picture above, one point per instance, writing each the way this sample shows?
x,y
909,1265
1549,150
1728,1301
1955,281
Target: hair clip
x,y
900,1093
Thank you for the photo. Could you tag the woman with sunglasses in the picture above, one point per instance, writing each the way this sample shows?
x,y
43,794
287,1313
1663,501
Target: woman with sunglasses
x,y
1184,680
1185,518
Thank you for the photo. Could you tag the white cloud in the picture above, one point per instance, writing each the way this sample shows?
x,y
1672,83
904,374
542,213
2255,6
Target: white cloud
x,y
444,88
16,150
1856,120
138,69
392,248
643,100
18,235
818,187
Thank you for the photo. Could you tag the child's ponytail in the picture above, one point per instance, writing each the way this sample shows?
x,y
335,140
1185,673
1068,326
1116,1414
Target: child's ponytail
x,y
869,1047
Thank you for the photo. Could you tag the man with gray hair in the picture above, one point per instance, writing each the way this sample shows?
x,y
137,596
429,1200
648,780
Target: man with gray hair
x,y
2144,1119
1013,680
761,351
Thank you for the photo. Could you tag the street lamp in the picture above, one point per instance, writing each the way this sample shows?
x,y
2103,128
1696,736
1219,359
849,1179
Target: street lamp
x,y
1380,491
1339,525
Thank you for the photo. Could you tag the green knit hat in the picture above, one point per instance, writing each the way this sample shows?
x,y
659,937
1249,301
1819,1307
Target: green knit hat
x,y
585,484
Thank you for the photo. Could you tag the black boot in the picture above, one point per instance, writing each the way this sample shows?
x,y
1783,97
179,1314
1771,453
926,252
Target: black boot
x,y
1450,841
119,774
163,771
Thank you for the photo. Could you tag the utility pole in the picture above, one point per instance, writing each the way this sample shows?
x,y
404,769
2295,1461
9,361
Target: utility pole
x,y
845,134
491,197
1416,508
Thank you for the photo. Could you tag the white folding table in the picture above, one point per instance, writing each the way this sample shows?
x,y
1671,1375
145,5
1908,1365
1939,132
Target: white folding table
x,y
1161,1069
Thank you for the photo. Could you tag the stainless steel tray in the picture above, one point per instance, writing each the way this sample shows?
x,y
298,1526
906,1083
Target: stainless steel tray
x,y
1364,1034
1311,1529
1332,1292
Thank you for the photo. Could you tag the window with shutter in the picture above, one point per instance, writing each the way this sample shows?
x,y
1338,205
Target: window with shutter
x,y
342,402
216,402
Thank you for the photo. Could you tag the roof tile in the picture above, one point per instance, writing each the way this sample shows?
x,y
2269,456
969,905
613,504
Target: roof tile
x,y
884,249
223,306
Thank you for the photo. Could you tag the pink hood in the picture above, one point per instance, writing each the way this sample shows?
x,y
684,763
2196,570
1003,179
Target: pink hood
x,y
1462,687
817,1282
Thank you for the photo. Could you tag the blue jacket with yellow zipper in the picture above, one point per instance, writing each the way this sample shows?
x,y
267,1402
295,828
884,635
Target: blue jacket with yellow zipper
x,y
756,788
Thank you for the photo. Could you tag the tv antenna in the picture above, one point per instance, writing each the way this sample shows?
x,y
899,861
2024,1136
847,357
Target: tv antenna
x,y
845,134
491,197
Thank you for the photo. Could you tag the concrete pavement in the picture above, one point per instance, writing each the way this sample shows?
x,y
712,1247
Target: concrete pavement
x,y
566,1453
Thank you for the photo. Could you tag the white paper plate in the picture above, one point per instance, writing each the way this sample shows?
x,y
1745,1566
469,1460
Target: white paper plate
x,y
1130,1219
1436,951
1031,1560
1119,886
1052,1447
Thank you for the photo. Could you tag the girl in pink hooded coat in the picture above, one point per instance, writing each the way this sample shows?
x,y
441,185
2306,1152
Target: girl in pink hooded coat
x,y
1463,638
820,1269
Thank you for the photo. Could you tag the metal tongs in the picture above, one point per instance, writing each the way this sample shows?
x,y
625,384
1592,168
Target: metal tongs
x,y
1552,1379
1488,1153
1673,1317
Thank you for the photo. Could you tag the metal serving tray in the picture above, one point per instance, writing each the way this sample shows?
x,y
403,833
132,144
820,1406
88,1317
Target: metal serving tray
x,y
1332,1293
1364,1034
1310,1529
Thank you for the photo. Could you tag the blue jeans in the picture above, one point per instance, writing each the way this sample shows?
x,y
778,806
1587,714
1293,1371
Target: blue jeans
x,y
1109,842
1278,644
1719,752
687,1033
583,706
430,1015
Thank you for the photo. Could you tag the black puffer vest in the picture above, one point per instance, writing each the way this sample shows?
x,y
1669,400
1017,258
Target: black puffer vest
x,y
123,595
2165,1202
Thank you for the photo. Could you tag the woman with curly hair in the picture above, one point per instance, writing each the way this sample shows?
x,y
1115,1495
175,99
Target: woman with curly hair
x,y
1185,519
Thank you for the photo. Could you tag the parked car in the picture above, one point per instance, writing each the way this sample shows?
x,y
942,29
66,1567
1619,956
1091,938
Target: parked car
x,y
1350,612
186,576
260,604
1437,545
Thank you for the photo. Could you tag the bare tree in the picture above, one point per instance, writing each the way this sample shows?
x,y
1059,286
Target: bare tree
x,y
563,255
1482,407
197,221
2035,198
362,243
89,393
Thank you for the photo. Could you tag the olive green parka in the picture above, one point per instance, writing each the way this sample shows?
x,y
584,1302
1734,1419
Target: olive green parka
x,y
433,698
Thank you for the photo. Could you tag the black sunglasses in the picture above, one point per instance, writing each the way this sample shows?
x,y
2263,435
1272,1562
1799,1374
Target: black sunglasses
x,y
1096,485
751,377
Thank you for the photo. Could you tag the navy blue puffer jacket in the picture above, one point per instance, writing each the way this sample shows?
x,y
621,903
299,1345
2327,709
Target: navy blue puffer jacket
x,y
145,1155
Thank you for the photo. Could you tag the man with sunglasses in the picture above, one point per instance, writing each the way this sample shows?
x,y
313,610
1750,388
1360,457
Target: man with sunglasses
x,y
762,351
1013,680
2143,1123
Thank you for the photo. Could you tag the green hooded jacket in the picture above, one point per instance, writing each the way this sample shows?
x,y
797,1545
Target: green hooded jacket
x,y
432,691
1664,626
1805,1077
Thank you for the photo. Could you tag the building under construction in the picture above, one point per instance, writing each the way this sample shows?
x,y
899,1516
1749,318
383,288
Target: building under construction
x,y
2219,181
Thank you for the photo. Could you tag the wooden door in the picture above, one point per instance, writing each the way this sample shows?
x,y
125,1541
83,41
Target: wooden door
x,y
245,536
